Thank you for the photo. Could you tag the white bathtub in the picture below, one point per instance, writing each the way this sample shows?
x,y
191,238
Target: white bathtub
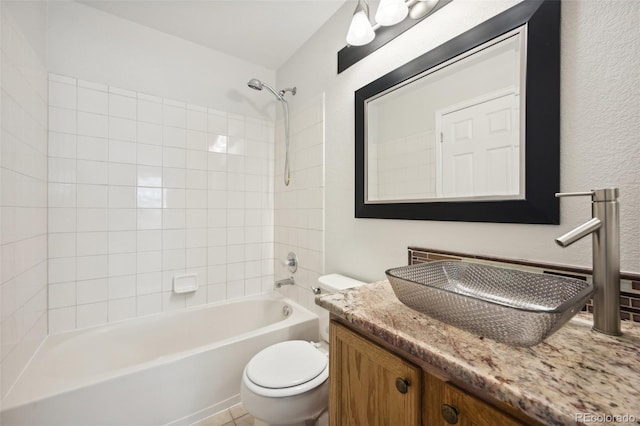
x,y
173,368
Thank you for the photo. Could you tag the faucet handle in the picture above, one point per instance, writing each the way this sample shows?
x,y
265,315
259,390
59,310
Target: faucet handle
x,y
574,194
604,194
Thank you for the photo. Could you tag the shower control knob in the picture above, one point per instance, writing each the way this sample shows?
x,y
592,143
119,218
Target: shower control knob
x,y
292,262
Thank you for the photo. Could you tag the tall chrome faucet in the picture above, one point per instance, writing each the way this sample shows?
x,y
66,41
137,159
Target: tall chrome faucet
x,y
605,229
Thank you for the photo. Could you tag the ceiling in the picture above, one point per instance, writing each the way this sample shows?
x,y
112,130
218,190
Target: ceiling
x,y
264,32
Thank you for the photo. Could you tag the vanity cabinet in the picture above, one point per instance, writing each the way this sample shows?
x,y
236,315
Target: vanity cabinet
x,y
370,385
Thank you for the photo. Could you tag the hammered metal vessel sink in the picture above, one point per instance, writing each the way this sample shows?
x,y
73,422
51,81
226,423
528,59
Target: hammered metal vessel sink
x,y
507,305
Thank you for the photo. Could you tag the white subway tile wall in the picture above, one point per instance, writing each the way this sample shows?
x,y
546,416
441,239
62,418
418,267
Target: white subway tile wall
x,y
143,188
299,207
23,200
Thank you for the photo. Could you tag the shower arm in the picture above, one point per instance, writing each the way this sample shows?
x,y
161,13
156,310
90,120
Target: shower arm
x,y
293,91
279,95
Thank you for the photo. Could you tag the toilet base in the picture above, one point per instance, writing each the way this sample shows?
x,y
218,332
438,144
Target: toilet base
x,y
299,410
323,420
257,422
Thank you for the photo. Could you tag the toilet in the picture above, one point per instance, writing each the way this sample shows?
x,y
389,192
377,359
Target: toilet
x,y
286,383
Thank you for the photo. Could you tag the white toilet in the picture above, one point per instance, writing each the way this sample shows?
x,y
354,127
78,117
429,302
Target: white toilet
x,y
286,383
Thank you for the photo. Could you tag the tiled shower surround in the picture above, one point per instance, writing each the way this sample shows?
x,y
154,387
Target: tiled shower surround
x,y
299,207
23,201
142,189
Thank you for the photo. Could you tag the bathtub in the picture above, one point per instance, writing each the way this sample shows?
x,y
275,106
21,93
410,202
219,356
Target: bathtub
x,y
167,369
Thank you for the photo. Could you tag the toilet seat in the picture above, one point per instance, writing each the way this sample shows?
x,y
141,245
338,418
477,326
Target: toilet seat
x,y
286,369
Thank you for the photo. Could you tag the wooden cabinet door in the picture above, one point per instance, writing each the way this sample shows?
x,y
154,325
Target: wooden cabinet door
x,y
444,401
362,381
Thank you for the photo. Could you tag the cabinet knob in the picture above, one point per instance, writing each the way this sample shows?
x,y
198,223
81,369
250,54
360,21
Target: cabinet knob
x,y
449,413
402,385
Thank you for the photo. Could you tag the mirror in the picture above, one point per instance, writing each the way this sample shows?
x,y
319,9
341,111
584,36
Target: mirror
x,y
451,132
468,131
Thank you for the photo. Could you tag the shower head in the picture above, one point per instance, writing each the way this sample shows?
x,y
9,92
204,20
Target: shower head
x,y
256,84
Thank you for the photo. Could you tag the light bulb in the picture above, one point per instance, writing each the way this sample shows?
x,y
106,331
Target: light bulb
x,y
360,31
390,12
422,8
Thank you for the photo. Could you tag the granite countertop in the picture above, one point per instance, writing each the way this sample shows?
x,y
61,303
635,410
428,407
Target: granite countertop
x,y
575,376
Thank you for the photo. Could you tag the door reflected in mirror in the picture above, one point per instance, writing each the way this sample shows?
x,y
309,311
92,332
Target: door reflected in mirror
x,y
454,132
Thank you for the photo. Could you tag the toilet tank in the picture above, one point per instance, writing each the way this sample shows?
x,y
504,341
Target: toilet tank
x,y
329,284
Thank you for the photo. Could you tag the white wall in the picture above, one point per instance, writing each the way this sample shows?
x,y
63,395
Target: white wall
x,y
23,187
599,136
87,43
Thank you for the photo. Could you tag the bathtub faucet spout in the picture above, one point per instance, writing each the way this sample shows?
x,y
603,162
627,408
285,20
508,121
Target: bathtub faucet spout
x,y
287,281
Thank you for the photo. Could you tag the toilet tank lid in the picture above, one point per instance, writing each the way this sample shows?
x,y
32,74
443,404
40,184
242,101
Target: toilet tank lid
x,y
337,282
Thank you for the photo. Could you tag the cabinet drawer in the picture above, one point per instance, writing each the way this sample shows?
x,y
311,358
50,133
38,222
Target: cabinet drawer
x,y
446,404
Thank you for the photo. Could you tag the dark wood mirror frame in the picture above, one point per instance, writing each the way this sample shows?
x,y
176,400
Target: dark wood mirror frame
x,y
542,126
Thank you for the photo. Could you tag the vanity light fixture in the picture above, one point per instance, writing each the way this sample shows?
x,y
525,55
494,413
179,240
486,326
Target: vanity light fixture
x,y
422,8
390,12
360,31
